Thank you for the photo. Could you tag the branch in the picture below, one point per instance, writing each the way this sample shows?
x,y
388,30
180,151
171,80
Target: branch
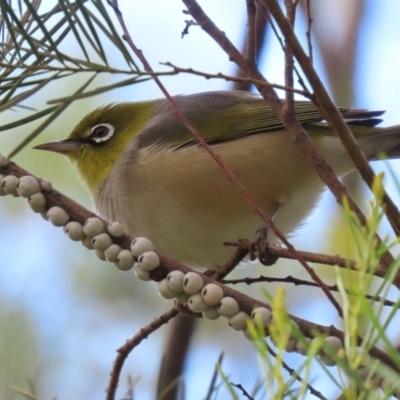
x,y
247,304
126,349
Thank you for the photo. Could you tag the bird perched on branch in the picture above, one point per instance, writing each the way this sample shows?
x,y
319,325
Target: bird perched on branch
x,y
145,170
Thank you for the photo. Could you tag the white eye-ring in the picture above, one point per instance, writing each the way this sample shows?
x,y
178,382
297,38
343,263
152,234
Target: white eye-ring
x,y
101,133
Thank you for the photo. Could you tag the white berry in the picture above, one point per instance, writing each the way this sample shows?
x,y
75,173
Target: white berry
x,y
192,283
175,281
262,315
87,242
9,183
112,251
93,226
46,186
100,254
228,307
212,313
212,294
74,230
101,241
164,290
197,304
125,260
149,261
57,216
327,360
333,344
142,275
291,345
303,345
37,202
140,245
238,321
2,192
182,298
115,229
3,161
27,186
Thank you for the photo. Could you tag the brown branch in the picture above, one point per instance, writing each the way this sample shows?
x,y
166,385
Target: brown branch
x,y
251,47
238,79
301,282
126,349
80,214
308,32
281,252
332,114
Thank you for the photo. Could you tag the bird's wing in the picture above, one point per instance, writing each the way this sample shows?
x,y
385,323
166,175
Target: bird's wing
x,y
222,116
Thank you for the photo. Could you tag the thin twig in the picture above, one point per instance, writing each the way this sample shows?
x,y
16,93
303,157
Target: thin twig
x,y
308,32
126,349
293,373
238,79
301,282
251,47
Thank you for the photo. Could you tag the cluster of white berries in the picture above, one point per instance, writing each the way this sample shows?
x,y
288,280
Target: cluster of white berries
x,y
93,234
187,288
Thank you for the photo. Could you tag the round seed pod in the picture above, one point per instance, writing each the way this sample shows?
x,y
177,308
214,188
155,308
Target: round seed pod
x,y
148,261
140,245
115,229
327,360
112,251
238,321
182,298
228,307
2,192
362,353
57,216
9,183
142,275
192,283
87,242
212,294
301,347
37,202
196,303
101,241
175,281
3,161
93,226
164,290
262,314
74,230
212,313
125,260
43,214
291,345
332,342
27,186
46,185
247,334
100,254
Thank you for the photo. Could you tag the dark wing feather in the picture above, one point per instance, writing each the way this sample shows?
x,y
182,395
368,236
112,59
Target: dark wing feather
x,y
228,115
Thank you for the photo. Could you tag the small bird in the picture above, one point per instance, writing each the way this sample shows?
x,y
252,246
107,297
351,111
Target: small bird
x,y
145,170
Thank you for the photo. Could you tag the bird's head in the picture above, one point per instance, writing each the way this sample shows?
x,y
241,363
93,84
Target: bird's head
x,y
98,140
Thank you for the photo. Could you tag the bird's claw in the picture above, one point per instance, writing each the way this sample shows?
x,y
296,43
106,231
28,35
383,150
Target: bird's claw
x,y
259,248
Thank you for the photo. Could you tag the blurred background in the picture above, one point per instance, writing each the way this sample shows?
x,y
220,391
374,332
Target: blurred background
x,y
63,312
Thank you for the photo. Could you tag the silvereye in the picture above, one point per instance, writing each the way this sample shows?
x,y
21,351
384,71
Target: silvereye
x,y
145,170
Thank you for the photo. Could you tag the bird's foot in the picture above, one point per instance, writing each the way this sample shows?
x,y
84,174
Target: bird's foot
x,y
259,248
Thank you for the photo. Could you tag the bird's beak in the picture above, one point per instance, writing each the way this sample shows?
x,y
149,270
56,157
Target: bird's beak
x,y
62,146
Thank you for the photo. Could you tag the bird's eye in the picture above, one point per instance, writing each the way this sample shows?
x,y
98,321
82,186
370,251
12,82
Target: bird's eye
x,y
101,133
